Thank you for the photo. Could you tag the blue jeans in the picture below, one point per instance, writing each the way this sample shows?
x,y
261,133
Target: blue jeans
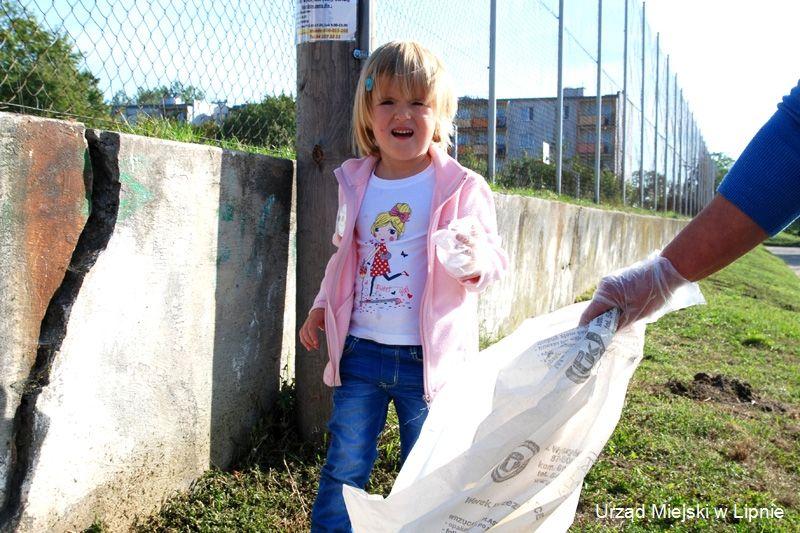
x,y
372,374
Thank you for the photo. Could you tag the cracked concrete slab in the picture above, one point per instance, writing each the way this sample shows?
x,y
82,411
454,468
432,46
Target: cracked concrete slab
x,y
171,344
44,190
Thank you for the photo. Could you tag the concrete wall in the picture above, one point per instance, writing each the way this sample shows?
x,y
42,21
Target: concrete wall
x,y
141,338
559,251
164,340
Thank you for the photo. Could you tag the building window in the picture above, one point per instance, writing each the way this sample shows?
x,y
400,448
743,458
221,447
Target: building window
x,y
566,111
530,113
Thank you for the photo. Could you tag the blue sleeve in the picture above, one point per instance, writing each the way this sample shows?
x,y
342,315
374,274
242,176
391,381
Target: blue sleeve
x,y
765,181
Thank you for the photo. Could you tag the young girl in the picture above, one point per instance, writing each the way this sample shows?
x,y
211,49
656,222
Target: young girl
x,y
401,337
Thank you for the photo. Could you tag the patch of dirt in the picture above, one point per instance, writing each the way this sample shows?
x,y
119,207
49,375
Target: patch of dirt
x,y
722,389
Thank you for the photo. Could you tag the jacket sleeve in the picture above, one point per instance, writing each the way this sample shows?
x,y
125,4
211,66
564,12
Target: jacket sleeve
x,y
322,298
477,199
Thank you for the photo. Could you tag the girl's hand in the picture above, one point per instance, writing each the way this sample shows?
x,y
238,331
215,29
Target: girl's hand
x,y
309,337
460,249
467,240
472,266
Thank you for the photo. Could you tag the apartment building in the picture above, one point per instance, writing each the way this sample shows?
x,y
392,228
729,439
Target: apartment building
x,y
527,127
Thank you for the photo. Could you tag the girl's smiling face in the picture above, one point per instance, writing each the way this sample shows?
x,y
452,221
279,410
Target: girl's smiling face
x,y
386,233
403,126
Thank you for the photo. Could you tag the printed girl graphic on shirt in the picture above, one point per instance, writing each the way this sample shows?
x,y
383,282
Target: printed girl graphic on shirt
x,y
387,227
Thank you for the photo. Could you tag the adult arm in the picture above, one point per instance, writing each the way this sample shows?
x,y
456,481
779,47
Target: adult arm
x,y
759,197
715,238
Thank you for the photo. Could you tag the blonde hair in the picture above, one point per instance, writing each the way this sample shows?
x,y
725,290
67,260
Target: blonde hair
x,y
418,71
397,217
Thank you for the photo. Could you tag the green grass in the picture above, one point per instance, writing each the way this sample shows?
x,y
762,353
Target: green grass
x,y
546,194
273,488
173,130
666,449
675,450
783,239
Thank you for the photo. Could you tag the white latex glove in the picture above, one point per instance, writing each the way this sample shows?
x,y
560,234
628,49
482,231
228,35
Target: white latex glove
x,y
460,248
644,291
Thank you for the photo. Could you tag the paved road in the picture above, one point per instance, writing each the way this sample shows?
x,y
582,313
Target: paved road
x,y
789,254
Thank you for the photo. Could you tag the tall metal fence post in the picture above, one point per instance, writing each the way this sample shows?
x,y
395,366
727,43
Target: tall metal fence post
x,y
641,103
681,167
690,164
711,180
492,122
695,167
599,103
686,166
560,100
327,74
666,137
624,165
690,190
698,167
655,126
675,145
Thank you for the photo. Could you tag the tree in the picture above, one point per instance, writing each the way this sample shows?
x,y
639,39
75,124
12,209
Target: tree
x,y
270,122
532,173
40,70
156,95
187,93
722,164
528,173
467,158
120,99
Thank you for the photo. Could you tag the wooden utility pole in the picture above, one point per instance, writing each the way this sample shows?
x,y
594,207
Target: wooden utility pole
x,y
327,73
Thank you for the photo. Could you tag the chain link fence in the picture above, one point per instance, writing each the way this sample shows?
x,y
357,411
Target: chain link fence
x,y
640,146
197,70
225,71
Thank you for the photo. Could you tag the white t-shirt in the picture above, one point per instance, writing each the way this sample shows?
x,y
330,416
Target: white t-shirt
x,y
392,236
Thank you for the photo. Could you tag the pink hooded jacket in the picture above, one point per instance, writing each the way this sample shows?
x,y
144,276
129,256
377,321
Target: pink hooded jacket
x,y
448,314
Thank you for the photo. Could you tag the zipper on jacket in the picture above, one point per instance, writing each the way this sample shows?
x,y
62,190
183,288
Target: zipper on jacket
x,y
431,251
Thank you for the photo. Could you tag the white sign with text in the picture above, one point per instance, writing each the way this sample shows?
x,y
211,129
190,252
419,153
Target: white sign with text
x,y
326,20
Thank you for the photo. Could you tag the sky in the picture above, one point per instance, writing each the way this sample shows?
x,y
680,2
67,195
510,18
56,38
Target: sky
x,y
735,60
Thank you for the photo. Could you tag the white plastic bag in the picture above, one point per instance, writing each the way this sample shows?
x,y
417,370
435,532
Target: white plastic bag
x,y
458,258
509,440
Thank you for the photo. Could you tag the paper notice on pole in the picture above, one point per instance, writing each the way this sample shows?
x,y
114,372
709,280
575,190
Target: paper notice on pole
x,y
326,20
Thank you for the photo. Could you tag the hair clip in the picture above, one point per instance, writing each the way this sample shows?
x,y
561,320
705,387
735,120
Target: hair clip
x,y
369,83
